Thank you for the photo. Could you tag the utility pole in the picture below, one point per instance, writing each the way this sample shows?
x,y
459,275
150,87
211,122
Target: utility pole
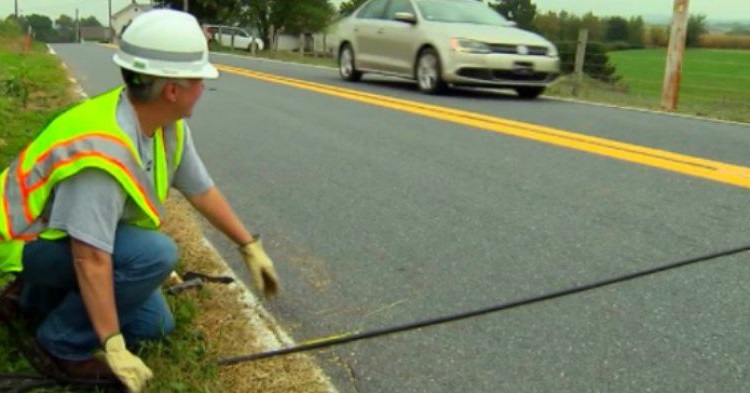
x,y
16,13
109,20
78,28
672,73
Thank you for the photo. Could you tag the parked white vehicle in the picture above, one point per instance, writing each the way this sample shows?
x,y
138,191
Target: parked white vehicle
x,y
231,36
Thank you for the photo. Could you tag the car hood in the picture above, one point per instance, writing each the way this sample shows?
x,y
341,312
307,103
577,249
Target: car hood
x,y
488,34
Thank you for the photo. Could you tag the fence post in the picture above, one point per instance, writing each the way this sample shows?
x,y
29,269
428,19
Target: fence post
x,y
583,37
672,72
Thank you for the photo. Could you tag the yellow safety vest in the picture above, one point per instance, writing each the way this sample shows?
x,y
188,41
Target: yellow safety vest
x,y
86,136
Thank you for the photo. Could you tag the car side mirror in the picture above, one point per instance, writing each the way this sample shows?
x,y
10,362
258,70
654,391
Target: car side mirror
x,y
406,17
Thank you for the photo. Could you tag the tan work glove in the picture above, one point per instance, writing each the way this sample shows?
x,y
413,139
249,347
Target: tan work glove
x,y
128,368
261,267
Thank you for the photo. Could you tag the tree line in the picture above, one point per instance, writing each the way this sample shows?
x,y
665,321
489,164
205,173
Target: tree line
x,y
62,29
268,17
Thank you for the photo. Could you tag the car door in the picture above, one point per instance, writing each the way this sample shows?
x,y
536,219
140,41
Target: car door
x,y
367,23
397,41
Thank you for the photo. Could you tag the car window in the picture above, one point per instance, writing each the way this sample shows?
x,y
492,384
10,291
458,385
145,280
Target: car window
x,y
373,10
452,11
398,6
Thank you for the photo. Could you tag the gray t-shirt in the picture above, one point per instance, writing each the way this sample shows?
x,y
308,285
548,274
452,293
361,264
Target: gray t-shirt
x,y
89,205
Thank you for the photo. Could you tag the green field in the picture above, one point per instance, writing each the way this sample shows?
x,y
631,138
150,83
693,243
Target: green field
x,y
714,82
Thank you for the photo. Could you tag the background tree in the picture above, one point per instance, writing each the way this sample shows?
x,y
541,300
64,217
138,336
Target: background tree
x,y
570,26
41,26
271,17
520,11
739,30
347,7
91,21
657,36
548,25
695,29
223,11
594,25
617,29
636,31
310,16
66,29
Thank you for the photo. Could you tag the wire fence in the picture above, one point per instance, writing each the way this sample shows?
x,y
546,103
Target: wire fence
x,y
713,82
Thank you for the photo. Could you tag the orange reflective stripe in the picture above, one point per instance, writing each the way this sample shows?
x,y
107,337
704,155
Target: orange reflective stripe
x,y
21,179
6,206
69,141
120,165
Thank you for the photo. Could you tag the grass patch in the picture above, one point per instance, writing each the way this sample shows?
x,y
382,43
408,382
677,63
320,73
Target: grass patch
x,y
292,57
33,89
713,82
212,323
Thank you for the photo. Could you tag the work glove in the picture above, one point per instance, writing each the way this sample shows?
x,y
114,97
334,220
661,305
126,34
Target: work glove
x,y
128,368
261,267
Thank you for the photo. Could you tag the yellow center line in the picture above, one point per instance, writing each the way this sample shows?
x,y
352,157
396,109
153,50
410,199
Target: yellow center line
x,y
688,165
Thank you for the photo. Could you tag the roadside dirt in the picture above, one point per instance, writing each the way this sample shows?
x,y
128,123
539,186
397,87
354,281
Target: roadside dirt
x,y
227,320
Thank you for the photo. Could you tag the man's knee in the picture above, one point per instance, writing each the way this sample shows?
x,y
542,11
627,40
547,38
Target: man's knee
x,y
145,249
164,252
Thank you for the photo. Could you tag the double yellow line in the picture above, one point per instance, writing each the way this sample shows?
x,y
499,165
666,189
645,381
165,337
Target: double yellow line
x,y
688,165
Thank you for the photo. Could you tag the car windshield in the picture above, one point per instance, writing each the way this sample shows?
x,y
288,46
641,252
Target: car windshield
x,y
452,11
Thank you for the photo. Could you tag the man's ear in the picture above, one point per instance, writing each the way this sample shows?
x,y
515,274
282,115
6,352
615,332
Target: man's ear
x,y
169,92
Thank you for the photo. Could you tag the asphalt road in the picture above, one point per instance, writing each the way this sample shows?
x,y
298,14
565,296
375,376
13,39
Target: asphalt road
x,y
377,217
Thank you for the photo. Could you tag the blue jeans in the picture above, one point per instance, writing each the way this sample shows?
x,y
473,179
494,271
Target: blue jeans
x,y
142,259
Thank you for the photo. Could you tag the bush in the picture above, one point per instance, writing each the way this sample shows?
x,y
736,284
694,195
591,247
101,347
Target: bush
x,y
596,63
9,28
622,45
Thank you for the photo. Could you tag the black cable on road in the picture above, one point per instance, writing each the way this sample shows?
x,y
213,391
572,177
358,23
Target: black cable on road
x,y
324,343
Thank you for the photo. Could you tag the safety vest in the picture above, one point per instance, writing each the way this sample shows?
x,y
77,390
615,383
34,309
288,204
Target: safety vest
x,y
86,136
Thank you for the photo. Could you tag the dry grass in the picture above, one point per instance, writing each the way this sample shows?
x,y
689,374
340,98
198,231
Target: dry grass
x,y
223,320
721,41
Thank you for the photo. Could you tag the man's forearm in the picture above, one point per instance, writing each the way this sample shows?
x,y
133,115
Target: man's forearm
x,y
93,269
219,213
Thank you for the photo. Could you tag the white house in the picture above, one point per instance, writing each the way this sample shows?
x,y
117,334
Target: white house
x,y
122,18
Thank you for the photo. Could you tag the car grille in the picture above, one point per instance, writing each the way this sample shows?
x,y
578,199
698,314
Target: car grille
x,y
502,75
518,49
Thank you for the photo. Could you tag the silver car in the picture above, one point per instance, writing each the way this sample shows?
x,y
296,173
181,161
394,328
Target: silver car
x,y
444,42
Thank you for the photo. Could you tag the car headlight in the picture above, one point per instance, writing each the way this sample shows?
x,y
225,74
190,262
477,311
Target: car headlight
x,y
469,46
552,51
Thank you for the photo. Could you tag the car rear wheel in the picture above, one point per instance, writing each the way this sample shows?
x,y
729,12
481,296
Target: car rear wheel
x,y
347,70
253,47
429,72
529,93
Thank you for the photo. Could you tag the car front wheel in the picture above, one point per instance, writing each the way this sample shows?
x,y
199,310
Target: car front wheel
x,y
429,72
529,93
347,70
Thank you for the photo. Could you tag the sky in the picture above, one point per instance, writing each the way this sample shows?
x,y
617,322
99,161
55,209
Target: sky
x,y
714,9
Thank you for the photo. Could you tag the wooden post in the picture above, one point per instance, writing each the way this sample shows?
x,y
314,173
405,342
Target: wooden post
x,y
28,39
675,52
77,38
583,37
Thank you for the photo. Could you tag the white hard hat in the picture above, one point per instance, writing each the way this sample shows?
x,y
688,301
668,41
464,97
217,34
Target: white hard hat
x,y
165,43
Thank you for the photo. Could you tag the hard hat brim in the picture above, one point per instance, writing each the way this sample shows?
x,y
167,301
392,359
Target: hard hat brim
x,y
201,70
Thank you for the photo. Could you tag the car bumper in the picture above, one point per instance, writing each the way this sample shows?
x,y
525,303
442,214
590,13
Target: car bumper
x,y
500,70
